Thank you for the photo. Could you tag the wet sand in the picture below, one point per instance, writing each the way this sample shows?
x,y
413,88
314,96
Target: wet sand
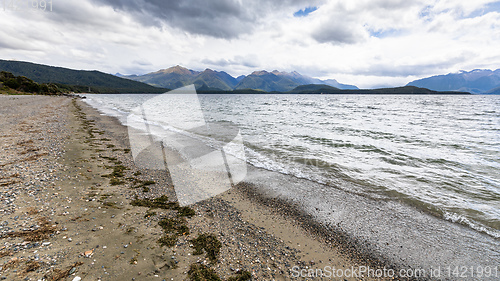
x,y
61,219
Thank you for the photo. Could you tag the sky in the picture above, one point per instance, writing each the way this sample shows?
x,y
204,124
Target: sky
x,y
367,43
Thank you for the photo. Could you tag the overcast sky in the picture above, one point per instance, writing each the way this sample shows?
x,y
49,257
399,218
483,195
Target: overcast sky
x,y
368,43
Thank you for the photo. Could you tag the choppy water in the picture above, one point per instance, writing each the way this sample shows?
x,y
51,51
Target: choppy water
x,y
438,153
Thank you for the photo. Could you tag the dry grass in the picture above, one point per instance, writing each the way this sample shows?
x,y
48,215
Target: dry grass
x,y
60,274
28,150
32,211
34,157
31,266
16,175
13,263
25,142
5,253
76,218
29,158
39,234
6,183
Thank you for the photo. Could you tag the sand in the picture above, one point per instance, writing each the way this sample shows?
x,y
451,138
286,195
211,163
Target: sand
x,y
61,219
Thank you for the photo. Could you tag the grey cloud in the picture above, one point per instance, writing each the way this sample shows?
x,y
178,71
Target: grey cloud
x,y
216,18
13,46
336,34
141,62
248,61
391,4
341,27
219,62
391,70
26,40
348,25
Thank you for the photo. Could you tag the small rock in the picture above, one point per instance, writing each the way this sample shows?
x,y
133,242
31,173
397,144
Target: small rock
x,y
77,278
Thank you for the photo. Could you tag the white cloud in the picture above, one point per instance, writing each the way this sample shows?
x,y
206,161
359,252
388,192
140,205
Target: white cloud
x,y
362,42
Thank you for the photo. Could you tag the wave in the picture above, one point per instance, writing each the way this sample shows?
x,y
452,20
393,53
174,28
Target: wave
x,y
424,169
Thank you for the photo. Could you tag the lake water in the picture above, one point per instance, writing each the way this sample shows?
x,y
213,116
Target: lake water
x,y
440,154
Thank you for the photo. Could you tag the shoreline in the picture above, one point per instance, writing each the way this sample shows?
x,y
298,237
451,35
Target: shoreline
x,y
249,208
364,231
91,230
390,232
262,229
383,233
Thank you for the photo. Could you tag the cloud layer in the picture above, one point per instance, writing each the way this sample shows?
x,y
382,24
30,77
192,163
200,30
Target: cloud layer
x,y
364,42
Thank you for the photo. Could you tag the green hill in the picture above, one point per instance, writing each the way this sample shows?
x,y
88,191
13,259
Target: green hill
x,y
314,88
477,81
178,76
11,84
172,78
78,80
266,81
275,81
215,79
495,91
406,90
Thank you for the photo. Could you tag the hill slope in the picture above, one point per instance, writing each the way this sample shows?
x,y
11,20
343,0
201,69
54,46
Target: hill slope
x,y
406,90
95,80
178,76
475,81
495,91
215,79
266,81
306,80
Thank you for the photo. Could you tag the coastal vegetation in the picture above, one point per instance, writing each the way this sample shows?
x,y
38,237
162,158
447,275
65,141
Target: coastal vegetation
x,y
78,81
11,84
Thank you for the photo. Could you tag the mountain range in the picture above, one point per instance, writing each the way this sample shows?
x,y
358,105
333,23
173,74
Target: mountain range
x,y
76,80
211,81
275,81
478,81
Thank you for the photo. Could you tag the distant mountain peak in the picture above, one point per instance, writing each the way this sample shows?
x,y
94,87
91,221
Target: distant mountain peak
x,y
260,72
284,73
177,69
281,81
474,81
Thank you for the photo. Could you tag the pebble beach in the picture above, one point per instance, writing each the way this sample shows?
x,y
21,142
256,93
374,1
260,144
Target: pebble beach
x,y
70,209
